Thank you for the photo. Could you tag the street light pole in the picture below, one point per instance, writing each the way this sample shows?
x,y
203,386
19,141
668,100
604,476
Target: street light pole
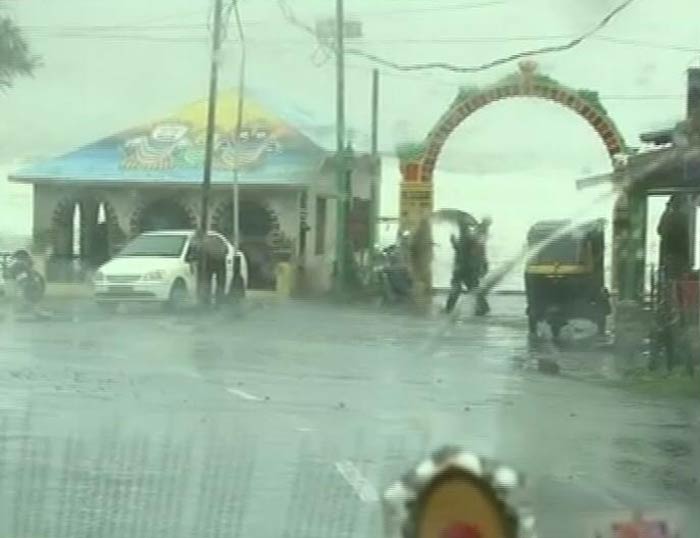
x,y
235,202
375,191
209,149
340,165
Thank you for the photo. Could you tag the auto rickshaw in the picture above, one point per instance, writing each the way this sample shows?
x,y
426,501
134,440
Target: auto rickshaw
x,y
564,275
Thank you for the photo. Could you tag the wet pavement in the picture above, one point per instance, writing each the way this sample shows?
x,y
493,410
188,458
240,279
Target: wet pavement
x,y
289,420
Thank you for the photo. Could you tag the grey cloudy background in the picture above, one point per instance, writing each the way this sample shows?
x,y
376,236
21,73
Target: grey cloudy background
x,y
111,64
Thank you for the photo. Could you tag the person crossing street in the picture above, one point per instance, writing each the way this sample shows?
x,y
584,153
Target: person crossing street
x,y
470,265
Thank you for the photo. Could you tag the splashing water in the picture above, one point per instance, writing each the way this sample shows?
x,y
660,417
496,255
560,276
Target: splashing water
x,y
491,280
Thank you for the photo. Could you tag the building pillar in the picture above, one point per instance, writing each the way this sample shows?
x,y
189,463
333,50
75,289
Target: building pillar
x,y
692,227
89,210
620,245
637,245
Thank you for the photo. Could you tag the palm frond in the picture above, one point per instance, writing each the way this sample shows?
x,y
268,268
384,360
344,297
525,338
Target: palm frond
x,y
15,57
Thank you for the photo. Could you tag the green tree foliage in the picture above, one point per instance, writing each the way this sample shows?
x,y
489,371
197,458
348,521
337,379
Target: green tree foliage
x,y
15,57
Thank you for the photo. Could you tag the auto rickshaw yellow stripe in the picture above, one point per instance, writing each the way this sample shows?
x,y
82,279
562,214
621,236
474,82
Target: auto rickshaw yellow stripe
x,y
553,269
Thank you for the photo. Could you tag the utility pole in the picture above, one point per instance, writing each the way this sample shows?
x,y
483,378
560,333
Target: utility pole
x,y
375,192
209,150
235,202
340,164
335,31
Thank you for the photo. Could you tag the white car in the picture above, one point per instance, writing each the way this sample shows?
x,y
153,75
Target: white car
x,y
162,267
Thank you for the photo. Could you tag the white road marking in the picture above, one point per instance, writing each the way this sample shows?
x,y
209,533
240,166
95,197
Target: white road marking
x,y
362,487
243,395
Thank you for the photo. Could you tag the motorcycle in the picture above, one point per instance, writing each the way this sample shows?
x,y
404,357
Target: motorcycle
x,y
393,277
454,493
29,285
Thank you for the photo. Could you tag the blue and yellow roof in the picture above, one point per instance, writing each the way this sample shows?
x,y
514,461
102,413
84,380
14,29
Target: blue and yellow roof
x,y
278,146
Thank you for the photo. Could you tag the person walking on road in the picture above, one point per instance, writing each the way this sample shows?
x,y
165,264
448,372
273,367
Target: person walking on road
x,y
214,252
470,265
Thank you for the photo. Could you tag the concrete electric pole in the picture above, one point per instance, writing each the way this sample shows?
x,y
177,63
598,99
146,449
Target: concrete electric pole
x,y
335,31
209,151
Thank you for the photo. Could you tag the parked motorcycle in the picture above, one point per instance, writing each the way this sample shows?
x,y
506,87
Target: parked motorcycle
x,y
393,277
18,270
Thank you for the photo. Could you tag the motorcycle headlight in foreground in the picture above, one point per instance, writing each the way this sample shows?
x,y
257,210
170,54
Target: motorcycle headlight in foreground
x,y
456,494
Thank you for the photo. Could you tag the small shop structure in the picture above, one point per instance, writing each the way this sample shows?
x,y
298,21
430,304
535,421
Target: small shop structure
x,y
88,202
661,305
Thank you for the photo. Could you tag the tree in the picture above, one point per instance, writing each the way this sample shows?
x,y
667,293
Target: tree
x,y
15,57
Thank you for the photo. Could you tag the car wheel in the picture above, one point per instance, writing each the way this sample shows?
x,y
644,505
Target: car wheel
x,y
178,296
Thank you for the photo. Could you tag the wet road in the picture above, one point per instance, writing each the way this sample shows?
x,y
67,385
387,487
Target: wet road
x,y
290,420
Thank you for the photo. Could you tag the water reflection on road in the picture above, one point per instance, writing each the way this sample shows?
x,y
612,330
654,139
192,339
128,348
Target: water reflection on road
x,y
290,420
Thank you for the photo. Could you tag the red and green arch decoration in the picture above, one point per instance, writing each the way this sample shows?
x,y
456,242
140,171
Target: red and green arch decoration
x,y
418,160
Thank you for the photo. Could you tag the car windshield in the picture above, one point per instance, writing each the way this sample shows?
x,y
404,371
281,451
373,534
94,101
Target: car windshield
x,y
162,246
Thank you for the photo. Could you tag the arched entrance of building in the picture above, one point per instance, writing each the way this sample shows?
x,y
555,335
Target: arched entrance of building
x,y
418,161
85,233
259,229
162,214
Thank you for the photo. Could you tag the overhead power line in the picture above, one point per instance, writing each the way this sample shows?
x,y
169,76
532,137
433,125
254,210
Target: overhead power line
x,y
423,77
500,61
433,8
174,33
289,15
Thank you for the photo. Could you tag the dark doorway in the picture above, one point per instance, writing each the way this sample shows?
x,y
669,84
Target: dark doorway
x,y
256,224
164,215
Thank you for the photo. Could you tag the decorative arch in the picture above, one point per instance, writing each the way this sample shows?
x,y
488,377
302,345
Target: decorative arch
x,y
173,213
417,161
526,83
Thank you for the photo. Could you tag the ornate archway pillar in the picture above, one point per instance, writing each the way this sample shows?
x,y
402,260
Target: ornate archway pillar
x,y
629,237
415,209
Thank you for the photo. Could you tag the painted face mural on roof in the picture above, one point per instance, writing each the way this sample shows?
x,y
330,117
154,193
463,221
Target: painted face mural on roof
x,y
278,145
179,141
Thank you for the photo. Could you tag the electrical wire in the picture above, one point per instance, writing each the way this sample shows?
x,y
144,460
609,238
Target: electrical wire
x,y
452,7
431,79
289,15
150,35
493,63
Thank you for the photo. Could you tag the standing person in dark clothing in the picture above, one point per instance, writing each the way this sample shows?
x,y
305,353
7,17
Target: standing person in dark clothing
x,y
674,232
469,266
482,234
215,251
674,262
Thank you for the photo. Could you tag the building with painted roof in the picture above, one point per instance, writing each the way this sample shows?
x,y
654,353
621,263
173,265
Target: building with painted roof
x,y
89,201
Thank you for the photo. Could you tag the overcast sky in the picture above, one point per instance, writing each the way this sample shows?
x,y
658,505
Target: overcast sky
x,y
112,64
109,64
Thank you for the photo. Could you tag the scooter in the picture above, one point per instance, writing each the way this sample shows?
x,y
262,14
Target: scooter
x,y
393,277
29,285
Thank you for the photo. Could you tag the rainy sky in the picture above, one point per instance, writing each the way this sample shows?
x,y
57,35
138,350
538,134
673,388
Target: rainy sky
x,y
112,64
